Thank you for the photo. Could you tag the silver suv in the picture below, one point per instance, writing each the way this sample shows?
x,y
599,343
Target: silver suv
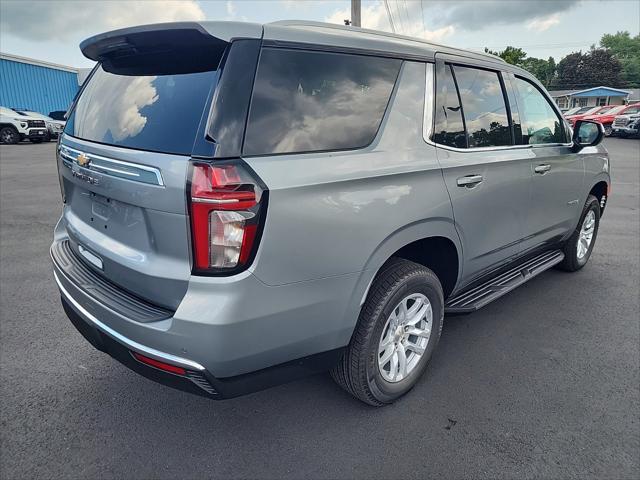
x,y
246,204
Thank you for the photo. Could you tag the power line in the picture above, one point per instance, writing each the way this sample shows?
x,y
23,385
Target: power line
x,y
399,17
386,5
406,12
562,44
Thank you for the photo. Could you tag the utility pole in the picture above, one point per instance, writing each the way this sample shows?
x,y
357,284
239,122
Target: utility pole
x,y
355,13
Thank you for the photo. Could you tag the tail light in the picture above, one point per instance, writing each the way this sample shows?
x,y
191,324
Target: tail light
x,y
227,206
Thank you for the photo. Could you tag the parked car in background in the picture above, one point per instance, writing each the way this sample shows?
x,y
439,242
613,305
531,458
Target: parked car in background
x,y
606,117
58,115
571,111
580,113
54,127
627,124
15,127
329,194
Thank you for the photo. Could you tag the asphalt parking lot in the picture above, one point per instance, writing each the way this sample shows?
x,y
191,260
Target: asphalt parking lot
x,y
542,383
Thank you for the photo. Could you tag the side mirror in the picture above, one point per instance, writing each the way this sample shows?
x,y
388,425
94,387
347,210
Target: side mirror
x,y
586,133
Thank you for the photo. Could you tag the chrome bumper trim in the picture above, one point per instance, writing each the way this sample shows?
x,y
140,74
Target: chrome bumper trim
x,y
183,362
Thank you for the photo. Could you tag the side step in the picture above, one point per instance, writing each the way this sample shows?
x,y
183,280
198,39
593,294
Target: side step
x,y
478,297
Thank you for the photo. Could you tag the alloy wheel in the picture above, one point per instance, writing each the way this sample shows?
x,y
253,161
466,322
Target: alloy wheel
x,y
8,136
586,234
405,337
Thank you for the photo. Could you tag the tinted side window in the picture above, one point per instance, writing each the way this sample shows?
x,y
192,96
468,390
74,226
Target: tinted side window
x,y
307,101
513,108
540,124
485,113
449,127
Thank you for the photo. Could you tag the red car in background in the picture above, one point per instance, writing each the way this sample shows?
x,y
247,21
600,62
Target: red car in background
x,y
606,117
581,113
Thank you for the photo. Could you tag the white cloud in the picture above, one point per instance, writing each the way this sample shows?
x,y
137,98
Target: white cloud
x,y
408,22
64,20
231,9
542,24
303,4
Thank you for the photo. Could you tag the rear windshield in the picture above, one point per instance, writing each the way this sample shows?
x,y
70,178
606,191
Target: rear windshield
x,y
154,112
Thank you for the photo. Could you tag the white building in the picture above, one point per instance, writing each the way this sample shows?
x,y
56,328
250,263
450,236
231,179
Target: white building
x,y
593,97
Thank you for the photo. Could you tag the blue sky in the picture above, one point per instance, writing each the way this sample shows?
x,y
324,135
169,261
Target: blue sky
x,y
52,30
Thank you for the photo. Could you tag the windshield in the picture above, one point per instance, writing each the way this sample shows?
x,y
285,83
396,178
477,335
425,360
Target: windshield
x,y
147,112
614,109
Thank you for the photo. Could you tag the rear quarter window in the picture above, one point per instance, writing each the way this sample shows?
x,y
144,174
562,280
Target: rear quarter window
x,y
305,101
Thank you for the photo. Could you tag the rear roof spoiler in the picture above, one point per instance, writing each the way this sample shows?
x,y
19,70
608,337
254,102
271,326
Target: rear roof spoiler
x,y
166,47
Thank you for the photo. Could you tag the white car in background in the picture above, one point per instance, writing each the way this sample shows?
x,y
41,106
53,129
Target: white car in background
x,y
54,127
15,127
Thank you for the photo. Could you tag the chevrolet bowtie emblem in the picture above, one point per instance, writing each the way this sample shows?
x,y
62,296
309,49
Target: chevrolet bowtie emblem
x,y
83,160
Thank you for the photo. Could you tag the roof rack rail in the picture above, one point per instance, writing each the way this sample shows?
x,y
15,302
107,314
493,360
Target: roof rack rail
x,y
349,28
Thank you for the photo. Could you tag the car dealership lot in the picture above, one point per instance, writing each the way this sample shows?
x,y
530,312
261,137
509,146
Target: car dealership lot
x,y
541,383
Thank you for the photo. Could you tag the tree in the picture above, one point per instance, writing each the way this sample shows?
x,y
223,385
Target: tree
x,y
591,69
511,55
543,70
627,50
567,72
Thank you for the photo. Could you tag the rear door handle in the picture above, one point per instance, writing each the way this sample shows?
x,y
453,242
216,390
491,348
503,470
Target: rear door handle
x,y
470,180
542,169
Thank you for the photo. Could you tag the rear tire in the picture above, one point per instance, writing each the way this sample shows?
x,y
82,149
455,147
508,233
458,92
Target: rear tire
x,y
9,135
401,319
577,250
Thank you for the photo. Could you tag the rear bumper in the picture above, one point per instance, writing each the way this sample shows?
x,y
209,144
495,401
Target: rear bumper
x,y
227,351
196,379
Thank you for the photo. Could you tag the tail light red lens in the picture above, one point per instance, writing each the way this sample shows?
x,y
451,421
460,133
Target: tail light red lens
x,y
226,210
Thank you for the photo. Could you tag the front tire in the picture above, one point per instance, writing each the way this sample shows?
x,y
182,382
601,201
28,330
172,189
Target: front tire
x,y
577,250
608,130
9,135
397,331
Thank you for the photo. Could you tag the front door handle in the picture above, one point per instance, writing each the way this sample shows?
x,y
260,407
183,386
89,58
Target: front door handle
x,y
542,169
470,181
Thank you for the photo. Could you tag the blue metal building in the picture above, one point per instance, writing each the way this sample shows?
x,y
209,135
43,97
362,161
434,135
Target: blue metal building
x,y
35,85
